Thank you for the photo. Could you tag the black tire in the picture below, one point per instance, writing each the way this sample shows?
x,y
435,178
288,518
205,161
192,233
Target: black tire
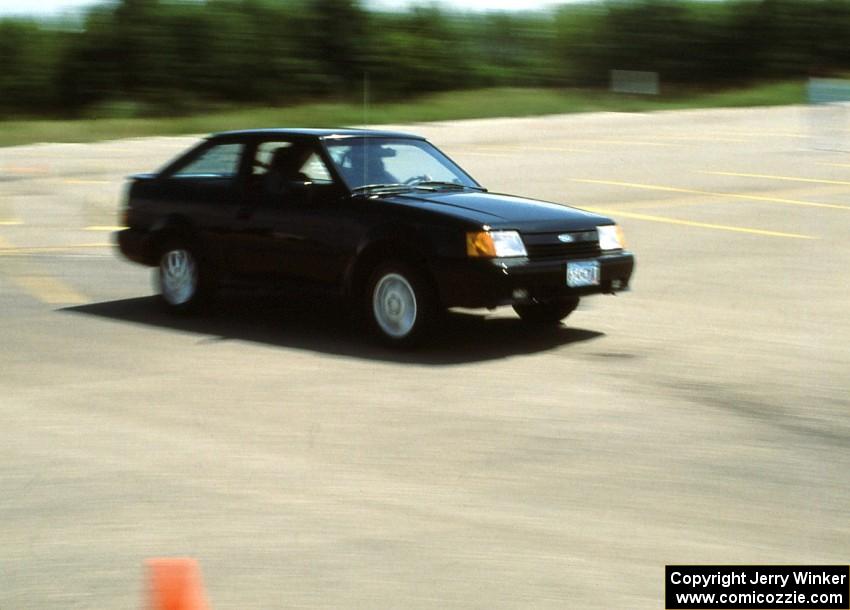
x,y
399,304
185,281
549,313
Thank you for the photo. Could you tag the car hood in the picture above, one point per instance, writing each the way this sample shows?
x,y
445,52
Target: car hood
x,y
503,211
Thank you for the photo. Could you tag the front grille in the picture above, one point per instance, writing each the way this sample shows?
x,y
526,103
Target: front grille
x,y
547,245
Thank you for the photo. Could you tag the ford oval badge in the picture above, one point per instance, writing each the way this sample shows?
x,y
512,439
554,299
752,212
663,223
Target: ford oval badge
x,y
566,238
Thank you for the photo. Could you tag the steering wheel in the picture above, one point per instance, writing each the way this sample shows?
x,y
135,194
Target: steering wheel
x,y
417,179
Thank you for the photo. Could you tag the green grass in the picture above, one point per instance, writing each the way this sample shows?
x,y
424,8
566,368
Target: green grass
x,y
503,102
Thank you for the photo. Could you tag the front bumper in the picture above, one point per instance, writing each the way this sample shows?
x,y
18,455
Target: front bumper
x,y
135,245
504,281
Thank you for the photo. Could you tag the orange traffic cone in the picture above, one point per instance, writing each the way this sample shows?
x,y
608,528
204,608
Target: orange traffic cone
x,y
176,584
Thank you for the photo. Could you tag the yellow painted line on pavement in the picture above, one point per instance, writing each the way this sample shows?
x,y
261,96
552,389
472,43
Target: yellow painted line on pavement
x,y
703,139
833,164
691,200
702,225
671,189
504,151
679,202
104,228
38,283
81,181
11,222
9,250
494,148
48,289
556,149
477,153
628,142
769,134
26,169
773,177
521,149
490,151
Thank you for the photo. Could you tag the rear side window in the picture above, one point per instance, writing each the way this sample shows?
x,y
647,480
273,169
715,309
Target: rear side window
x,y
220,161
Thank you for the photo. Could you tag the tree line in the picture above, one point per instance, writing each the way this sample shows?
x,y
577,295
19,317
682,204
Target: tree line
x,y
161,56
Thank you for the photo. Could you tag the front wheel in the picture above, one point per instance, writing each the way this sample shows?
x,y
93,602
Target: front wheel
x,y
183,280
549,313
400,304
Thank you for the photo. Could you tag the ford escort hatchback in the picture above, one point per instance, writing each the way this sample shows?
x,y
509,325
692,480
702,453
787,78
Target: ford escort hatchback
x,y
384,219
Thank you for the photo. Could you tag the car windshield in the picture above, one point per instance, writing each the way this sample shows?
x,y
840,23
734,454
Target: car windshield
x,y
373,163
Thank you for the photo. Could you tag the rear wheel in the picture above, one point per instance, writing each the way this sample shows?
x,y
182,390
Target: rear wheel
x,y
548,313
400,304
184,280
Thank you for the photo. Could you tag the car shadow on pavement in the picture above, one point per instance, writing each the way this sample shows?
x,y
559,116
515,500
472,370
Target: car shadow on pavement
x,y
322,326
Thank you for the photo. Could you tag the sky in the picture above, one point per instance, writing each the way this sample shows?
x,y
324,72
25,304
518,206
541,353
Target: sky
x,y
54,7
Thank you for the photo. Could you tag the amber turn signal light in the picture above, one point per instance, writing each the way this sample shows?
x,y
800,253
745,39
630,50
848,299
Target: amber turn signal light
x,y
480,243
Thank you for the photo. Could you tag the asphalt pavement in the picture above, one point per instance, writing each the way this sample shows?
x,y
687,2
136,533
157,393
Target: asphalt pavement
x,y
702,418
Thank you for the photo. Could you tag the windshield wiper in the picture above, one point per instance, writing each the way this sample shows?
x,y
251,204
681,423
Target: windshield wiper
x,y
431,185
377,187
435,184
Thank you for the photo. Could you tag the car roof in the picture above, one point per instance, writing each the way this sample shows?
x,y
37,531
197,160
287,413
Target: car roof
x,y
322,134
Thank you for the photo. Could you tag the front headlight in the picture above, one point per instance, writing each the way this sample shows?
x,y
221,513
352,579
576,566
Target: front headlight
x,y
494,244
611,237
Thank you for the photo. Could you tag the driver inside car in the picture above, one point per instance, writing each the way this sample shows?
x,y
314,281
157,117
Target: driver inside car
x,y
365,165
285,169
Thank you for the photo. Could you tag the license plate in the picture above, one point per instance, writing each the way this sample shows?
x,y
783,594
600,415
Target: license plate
x,y
582,273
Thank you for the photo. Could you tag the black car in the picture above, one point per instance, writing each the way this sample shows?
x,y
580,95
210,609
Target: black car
x,y
384,219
